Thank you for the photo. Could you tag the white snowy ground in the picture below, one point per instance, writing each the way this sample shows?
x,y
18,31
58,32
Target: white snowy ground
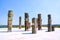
x,y
20,34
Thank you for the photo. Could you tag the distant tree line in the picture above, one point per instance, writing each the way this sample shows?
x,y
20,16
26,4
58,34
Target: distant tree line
x,y
16,26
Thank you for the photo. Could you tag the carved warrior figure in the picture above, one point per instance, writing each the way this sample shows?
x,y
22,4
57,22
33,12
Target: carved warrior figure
x,y
20,22
10,12
39,21
26,21
33,25
49,23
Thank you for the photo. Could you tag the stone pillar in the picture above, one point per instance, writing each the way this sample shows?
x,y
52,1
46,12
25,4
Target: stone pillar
x,y
53,28
20,22
10,12
26,21
33,25
49,23
39,21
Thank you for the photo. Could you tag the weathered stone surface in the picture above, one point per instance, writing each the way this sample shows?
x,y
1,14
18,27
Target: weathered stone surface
x,y
49,23
33,25
36,22
29,25
26,21
20,22
39,21
10,12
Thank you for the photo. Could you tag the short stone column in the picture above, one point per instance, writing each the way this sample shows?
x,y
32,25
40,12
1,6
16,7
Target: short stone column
x,y
10,12
53,28
39,22
49,23
20,22
26,21
33,25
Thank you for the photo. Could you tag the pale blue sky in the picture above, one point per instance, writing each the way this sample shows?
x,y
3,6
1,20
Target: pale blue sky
x,y
33,7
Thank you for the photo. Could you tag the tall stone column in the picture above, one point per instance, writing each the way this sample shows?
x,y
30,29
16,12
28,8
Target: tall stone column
x,y
20,22
10,12
39,21
33,25
49,23
26,21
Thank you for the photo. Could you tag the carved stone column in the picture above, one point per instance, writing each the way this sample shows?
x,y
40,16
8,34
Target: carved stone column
x,y
20,22
39,21
53,28
10,12
49,23
26,21
33,25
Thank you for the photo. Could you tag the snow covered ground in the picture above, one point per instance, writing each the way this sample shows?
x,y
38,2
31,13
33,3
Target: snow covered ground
x,y
20,34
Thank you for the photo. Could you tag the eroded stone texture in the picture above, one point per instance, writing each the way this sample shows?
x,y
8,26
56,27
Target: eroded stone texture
x,y
29,25
49,23
10,12
33,25
26,21
20,22
36,22
39,21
